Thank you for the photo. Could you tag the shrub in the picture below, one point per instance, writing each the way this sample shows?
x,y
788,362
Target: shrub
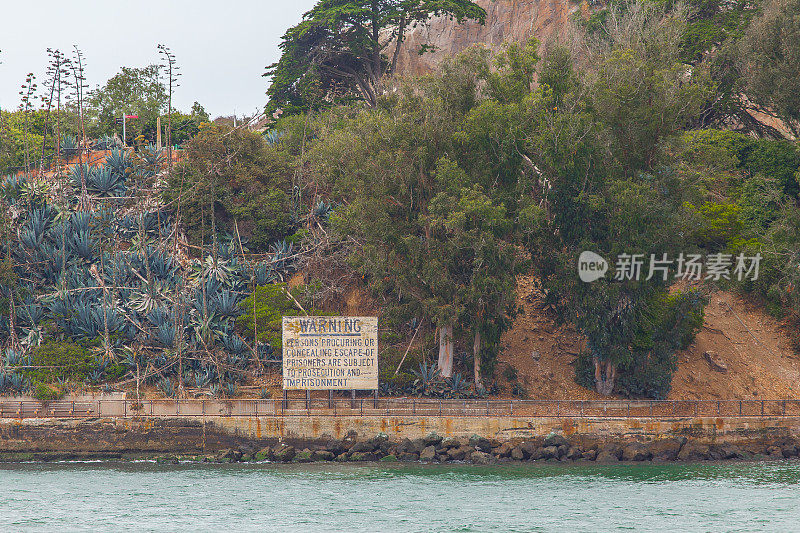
x,y
69,361
717,224
271,304
46,393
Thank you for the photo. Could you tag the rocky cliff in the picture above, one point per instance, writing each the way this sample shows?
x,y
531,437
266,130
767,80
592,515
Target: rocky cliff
x,y
506,20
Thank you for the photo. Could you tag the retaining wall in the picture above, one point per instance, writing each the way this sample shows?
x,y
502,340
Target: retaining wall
x,y
205,435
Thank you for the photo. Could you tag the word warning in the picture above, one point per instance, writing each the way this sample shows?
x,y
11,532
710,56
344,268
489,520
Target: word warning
x,y
330,353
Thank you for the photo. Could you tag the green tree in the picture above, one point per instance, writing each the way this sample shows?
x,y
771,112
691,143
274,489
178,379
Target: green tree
x,y
137,91
231,179
339,49
598,154
770,60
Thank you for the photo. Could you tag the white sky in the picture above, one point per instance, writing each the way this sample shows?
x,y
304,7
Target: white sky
x,y
222,46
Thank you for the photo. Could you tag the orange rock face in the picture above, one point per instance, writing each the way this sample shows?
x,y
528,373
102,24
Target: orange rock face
x,y
506,20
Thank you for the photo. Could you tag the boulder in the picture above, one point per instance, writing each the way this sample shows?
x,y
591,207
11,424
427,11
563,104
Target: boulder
x,y
264,454
367,446
715,362
460,453
303,456
606,456
549,452
481,458
635,451
408,457
790,450
407,446
590,455
337,447
666,449
528,448
562,450
504,450
517,454
693,451
480,443
725,451
283,453
554,439
228,455
450,442
432,439
610,452
428,453
574,453
323,455
342,457
774,451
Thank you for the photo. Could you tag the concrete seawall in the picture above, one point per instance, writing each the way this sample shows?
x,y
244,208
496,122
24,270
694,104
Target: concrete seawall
x,y
187,435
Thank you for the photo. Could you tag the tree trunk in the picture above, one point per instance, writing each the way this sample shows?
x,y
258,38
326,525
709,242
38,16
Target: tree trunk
x,y
446,350
605,373
476,355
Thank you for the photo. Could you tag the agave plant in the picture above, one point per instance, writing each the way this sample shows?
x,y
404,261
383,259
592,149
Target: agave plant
x,y
81,173
225,303
322,211
458,385
208,328
30,313
148,297
69,146
428,376
106,142
165,335
265,274
215,270
120,163
152,159
102,181
272,136
12,187
234,344
266,353
166,387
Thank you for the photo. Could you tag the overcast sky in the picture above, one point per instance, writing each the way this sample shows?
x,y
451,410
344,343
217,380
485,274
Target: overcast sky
x,y
222,46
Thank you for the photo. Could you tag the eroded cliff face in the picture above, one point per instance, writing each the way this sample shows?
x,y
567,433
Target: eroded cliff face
x,y
506,20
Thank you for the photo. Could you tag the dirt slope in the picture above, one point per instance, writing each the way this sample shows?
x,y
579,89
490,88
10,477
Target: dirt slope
x,y
757,351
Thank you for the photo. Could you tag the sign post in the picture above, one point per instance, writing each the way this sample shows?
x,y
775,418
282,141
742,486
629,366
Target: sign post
x,y
330,353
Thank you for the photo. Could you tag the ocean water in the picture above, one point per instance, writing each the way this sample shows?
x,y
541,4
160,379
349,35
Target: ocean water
x,y
399,497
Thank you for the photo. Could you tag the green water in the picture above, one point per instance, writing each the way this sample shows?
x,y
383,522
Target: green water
x,y
146,496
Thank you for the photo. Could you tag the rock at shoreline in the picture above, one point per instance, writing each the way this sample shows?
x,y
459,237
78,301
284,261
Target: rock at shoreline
x,y
504,450
635,451
666,449
554,439
428,454
264,454
323,455
432,439
693,451
284,453
481,458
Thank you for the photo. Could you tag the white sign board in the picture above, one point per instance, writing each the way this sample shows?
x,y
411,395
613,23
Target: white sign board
x,y
330,353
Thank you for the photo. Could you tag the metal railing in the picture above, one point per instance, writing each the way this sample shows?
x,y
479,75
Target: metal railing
x,y
21,409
